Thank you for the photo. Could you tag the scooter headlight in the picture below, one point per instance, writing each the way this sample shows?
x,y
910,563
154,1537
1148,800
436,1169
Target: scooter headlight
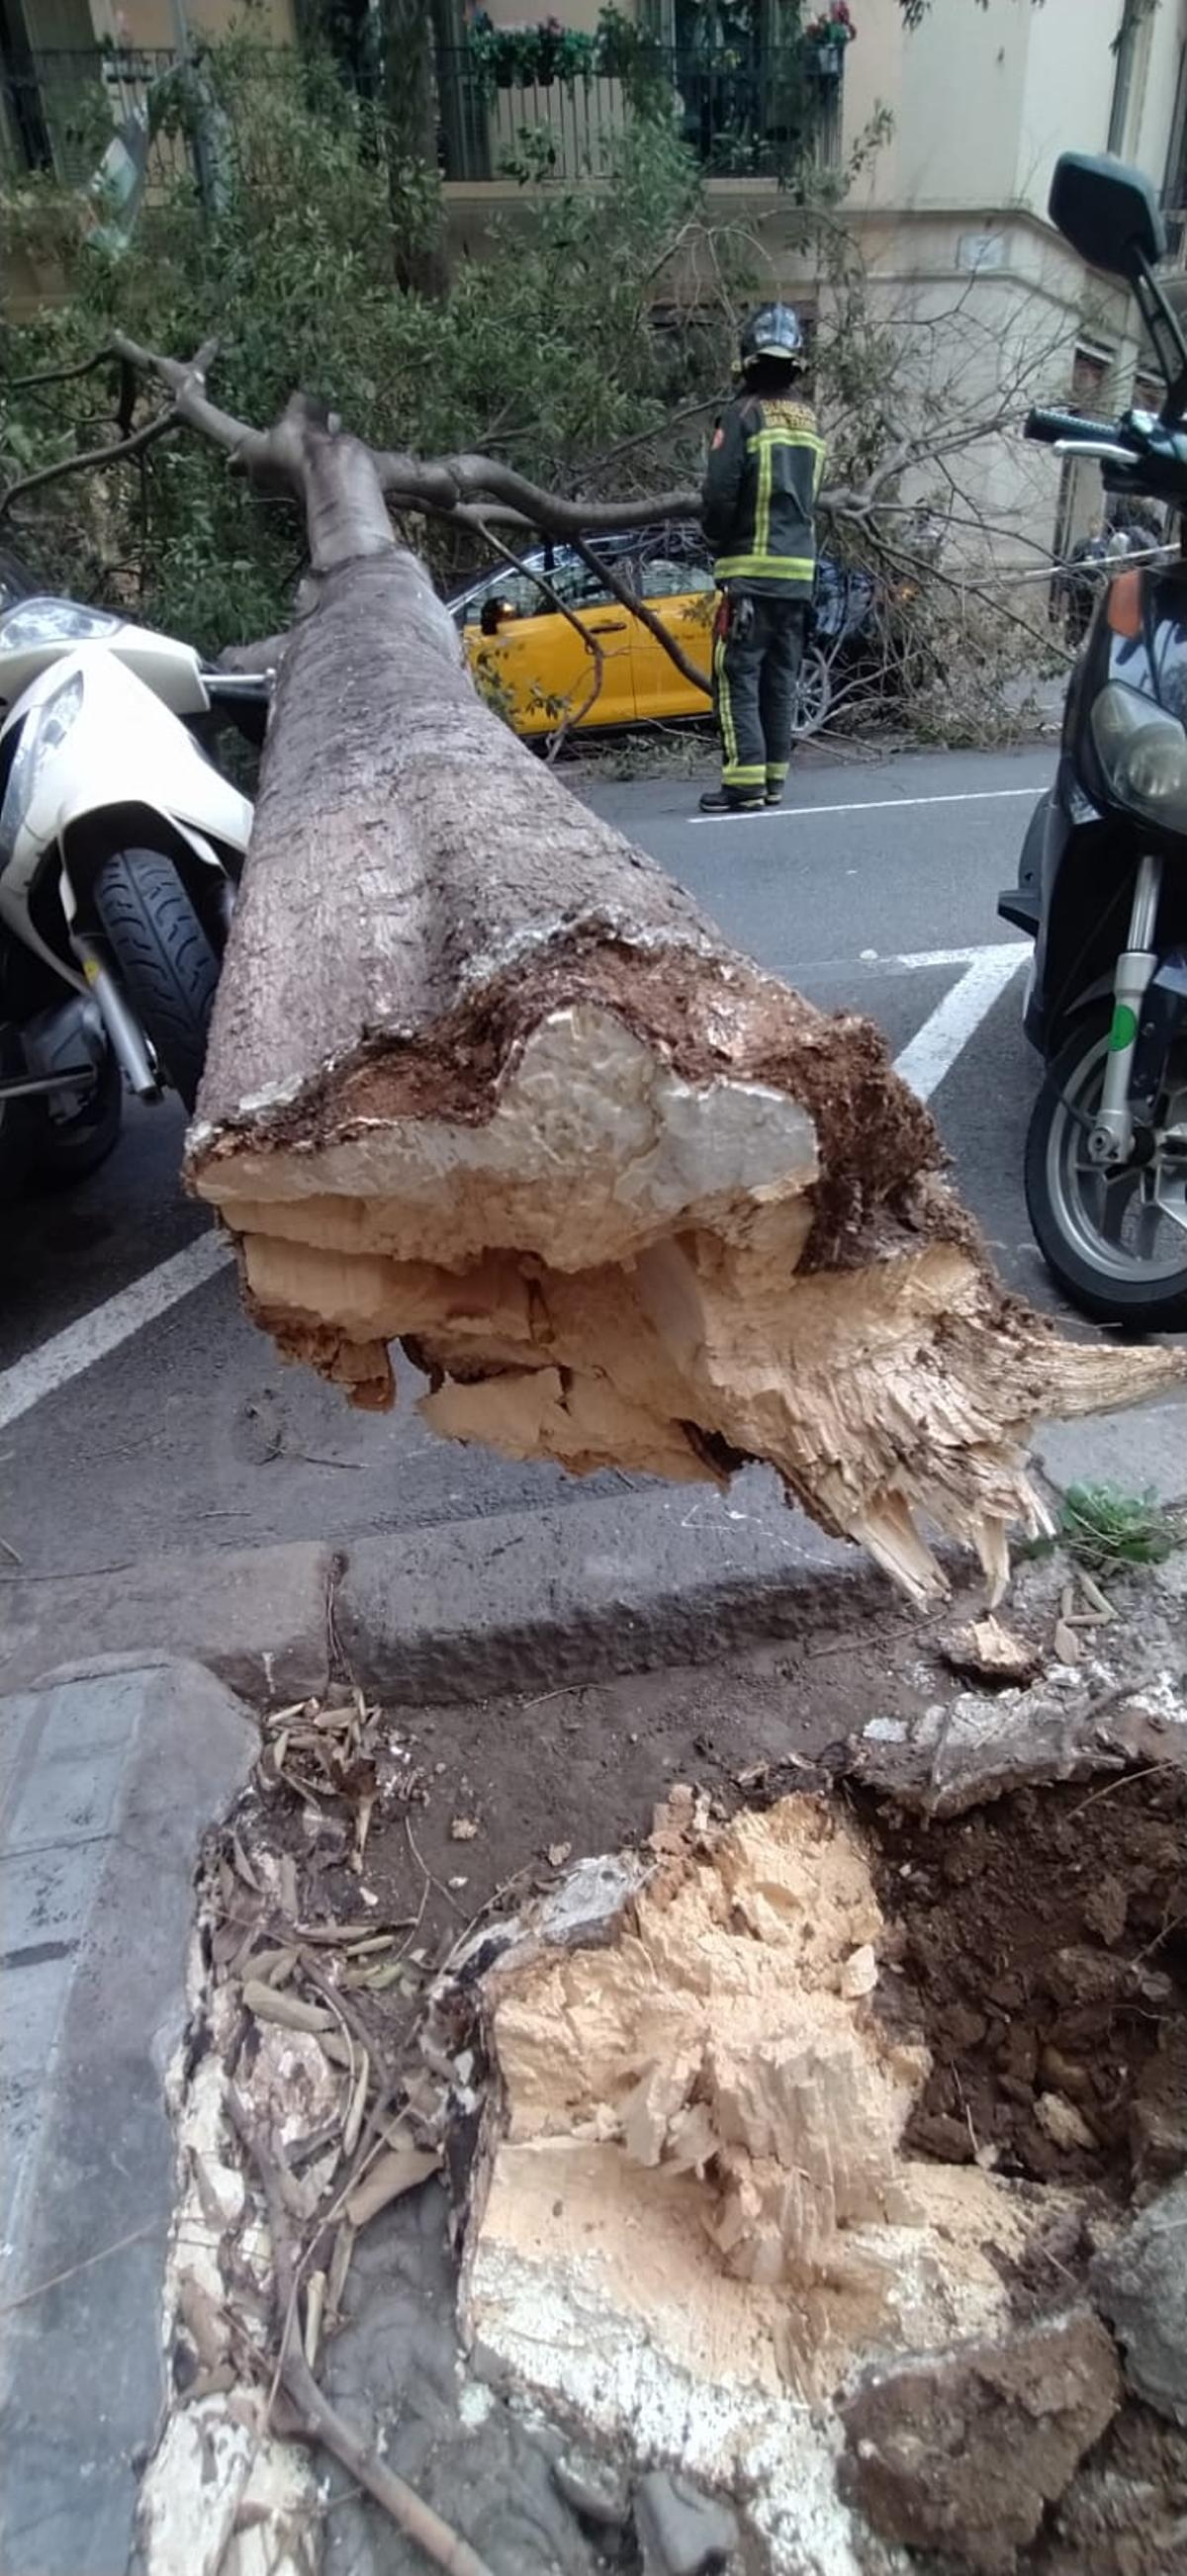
x,y
42,736
1143,753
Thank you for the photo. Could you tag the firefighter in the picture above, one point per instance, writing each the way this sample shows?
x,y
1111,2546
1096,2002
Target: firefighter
x,y
758,506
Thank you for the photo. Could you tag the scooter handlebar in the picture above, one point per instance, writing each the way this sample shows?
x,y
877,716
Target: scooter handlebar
x,y
1051,426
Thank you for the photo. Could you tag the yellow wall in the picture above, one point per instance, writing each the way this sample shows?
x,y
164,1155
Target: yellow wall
x,y
154,22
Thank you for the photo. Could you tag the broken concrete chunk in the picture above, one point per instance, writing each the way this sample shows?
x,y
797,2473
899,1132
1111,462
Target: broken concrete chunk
x,y
964,2453
1065,2126
859,1973
963,1752
681,2532
596,2488
1140,2285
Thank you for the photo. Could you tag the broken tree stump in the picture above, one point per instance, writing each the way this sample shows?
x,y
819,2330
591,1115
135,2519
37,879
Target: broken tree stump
x,y
483,1081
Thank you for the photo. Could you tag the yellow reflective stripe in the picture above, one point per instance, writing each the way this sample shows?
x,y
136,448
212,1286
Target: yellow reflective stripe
x,y
784,438
819,473
725,710
734,775
772,567
777,771
762,515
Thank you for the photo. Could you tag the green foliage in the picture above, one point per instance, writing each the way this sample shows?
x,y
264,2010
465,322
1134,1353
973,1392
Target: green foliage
x,y
545,351
1105,1528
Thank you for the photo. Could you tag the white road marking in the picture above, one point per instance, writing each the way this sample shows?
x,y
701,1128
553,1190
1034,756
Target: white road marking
x,y
94,1336
933,1050
923,1063
875,805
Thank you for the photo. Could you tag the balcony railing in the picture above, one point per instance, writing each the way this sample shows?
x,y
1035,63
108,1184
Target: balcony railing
x,y
743,118
59,113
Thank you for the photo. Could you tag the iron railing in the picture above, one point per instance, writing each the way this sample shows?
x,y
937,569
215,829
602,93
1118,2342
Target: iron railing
x,y
743,117
59,111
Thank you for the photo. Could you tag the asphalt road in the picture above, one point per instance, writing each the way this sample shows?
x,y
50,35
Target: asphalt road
x,y
185,1429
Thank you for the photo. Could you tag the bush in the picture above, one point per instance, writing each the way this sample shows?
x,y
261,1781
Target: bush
x,y
544,352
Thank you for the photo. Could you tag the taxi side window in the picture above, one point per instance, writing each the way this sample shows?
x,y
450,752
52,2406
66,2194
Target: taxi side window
x,y
517,595
662,578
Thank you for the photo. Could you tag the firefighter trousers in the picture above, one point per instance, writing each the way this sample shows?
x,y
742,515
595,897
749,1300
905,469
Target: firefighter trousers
x,y
758,645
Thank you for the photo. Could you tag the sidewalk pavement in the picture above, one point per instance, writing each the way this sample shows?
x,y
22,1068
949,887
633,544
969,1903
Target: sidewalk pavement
x,y
108,1785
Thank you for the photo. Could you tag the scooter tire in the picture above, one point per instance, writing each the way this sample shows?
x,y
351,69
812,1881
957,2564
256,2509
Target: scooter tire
x,y
63,1154
164,959
1155,1306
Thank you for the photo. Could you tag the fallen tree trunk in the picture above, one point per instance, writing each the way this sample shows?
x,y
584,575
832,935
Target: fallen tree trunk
x,y
482,1080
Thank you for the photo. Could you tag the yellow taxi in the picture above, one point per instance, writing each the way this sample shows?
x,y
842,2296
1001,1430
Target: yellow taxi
x,y
532,664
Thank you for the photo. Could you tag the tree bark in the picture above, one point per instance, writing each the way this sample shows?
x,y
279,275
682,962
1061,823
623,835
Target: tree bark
x,y
482,1080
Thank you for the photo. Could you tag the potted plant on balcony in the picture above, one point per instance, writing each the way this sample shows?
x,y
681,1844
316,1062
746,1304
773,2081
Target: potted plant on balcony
x,y
825,39
530,56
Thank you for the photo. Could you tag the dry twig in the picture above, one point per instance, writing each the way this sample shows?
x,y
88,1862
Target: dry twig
x,y
318,2420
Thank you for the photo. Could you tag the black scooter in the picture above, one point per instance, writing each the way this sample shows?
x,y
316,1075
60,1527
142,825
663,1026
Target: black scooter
x,y
1102,884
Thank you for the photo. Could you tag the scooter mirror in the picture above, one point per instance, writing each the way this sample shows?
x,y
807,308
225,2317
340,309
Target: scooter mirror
x,y
1108,213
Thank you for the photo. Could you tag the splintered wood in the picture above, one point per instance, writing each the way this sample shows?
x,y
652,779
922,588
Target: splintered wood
x,y
693,2202
483,1082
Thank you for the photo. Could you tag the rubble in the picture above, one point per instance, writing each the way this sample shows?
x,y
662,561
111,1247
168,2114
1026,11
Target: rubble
x,y
964,2453
680,2531
1140,2285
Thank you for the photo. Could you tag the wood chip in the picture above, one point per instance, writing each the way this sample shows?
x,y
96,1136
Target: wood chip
x,y
362,1825
243,1865
1097,1600
291,2011
463,1830
399,2170
558,1854
286,1869
1068,1649
204,2321
993,1652
340,2261
315,2301
356,2106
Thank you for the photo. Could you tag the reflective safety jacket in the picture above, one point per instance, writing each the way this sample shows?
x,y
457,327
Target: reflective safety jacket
x,y
758,503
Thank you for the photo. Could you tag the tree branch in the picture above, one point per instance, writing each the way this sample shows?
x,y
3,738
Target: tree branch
x,y
576,714
641,608
91,457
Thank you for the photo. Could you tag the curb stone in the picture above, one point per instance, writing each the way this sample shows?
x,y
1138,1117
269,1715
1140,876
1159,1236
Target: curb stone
x,y
520,1601
538,1600
108,1784
255,1617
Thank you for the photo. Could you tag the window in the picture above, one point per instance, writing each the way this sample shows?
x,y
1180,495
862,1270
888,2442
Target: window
x,y
659,578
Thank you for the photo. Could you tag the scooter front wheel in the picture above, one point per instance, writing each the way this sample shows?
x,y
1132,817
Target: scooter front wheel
x,y
163,957
1115,1237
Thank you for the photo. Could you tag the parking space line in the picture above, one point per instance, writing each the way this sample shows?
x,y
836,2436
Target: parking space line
x,y
874,805
933,1050
924,1062
95,1336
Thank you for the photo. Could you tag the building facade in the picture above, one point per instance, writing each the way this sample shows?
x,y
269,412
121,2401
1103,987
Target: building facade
x,y
946,217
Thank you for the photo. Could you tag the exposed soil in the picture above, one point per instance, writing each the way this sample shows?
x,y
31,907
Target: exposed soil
x,y
1043,1942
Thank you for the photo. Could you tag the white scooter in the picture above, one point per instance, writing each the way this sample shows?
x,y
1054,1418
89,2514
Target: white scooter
x,y
120,849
